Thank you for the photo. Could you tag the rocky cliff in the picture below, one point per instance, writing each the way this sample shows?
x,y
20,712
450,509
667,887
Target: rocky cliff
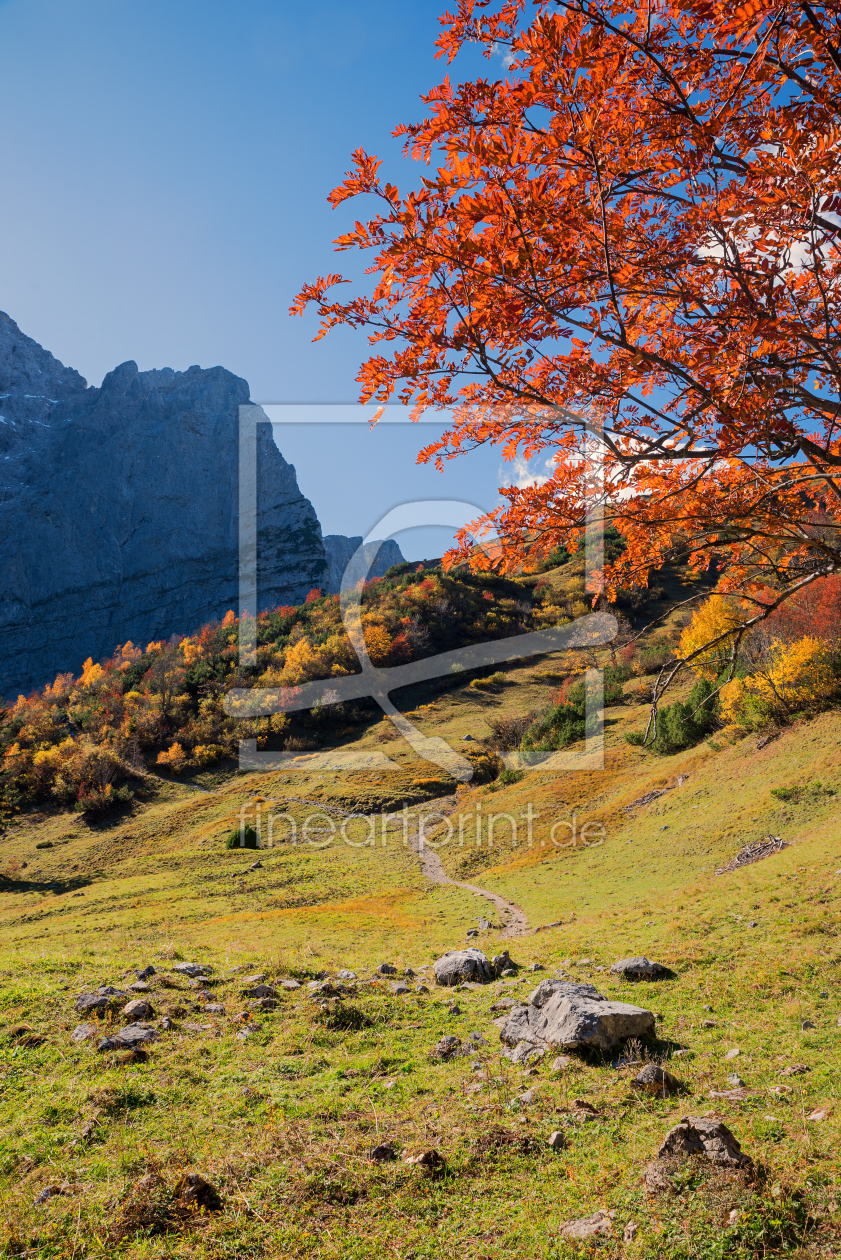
x,y
340,549
118,510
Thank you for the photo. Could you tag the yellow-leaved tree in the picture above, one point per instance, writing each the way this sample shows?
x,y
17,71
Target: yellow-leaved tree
x,y
715,621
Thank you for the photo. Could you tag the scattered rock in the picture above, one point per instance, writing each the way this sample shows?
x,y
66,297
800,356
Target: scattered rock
x,y
458,965
504,1004
384,1153
589,1226
291,985
733,1095
708,1023
260,991
344,974
703,1135
525,1053
735,1081
431,1163
166,1023
656,1179
257,978
584,1112
421,988
794,1069
557,1141
564,1014
193,1192
683,1054
446,1048
192,969
102,1000
656,1081
453,1009
733,1053
261,1004
640,969
139,1008
386,969
807,1023
128,1038
502,964
146,973
528,1096
563,1063
820,1113
82,1032
399,987
471,932
536,967
139,986
46,1194
630,1232
216,1008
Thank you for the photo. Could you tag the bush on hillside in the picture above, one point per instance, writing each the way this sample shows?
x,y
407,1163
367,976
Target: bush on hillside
x,y
681,725
242,838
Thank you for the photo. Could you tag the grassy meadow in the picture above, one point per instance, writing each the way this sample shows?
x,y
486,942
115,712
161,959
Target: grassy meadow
x,y
279,1109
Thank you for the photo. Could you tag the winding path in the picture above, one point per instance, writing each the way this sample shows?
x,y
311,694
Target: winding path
x,y
516,923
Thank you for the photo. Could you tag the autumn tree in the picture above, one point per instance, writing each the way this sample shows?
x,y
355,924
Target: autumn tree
x,y
628,239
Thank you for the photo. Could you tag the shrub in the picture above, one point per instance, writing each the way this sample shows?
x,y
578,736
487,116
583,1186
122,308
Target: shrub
x,y
174,758
507,732
682,725
242,838
96,802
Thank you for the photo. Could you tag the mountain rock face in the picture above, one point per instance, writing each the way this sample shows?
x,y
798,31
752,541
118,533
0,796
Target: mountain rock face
x,y
119,510
340,550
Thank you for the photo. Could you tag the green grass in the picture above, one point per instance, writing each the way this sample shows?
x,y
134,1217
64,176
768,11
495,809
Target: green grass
x,y
325,1085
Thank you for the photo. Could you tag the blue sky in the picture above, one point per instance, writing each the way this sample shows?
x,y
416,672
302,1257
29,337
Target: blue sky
x,y
165,168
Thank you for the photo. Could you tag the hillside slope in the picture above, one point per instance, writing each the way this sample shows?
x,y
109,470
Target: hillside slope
x,y
279,1110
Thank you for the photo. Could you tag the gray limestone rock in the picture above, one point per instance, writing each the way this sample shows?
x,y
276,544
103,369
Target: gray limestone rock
x,y
341,550
640,969
458,965
574,1016
120,510
702,1135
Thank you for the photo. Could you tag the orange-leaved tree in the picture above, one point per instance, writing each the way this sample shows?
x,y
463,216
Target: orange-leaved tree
x,y
629,237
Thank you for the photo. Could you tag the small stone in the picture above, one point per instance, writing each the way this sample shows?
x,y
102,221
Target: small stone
x,y
733,1053
807,1023
139,986
656,1081
563,1063
630,1232
656,1180
192,969
398,988
258,978
128,1038
706,1008
794,1069
585,962
471,932
421,988
509,971
736,1081
139,1008
584,1112
82,1032
262,1004
446,1048
821,1113
753,923
194,1192
708,1023
166,1023
638,968
383,1154
431,1163
454,1009
528,1096
682,1054
290,985
704,1135
146,973
46,1194
100,1001
557,1141
386,969
260,991
589,1226
344,974
215,1008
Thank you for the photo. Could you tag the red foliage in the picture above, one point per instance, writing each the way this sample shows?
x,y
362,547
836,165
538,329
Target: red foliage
x,y
815,611
314,594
